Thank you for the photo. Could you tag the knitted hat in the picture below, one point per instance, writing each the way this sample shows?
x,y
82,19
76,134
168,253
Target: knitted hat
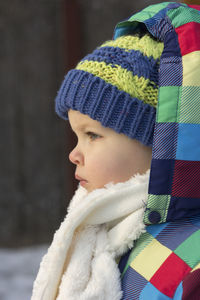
x,y
117,85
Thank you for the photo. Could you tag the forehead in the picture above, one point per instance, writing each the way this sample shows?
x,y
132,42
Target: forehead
x,y
78,120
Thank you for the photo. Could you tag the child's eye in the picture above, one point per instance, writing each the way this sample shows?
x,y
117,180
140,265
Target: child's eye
x,y
93,136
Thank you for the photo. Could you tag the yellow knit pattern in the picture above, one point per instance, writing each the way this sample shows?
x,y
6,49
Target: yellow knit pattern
x,y
146,45
124,80
137,87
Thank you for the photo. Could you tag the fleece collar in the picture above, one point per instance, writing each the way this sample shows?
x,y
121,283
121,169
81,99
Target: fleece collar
x,y
99,227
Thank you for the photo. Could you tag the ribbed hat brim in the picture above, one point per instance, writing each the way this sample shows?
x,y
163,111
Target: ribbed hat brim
x,y
105,103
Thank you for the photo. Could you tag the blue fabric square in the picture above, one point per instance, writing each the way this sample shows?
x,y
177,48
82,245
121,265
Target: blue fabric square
x,y
175,233
132,284
172,49
188,142
171,71
179,292
155,229
181,207
161,176
150,292
123,261
196,221
165,141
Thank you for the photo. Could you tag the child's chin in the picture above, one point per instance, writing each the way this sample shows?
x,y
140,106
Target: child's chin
x,y
87,186
93,188
84,183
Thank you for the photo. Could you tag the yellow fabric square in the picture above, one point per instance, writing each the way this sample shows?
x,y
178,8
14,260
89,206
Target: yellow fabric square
x,y
191,73
150,259
196,267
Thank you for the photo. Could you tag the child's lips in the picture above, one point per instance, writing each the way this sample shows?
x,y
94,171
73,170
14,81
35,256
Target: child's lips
x,y
82,180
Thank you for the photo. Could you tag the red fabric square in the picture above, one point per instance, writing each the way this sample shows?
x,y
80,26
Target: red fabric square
x,y
170,274
186,179
195,6
191,286
188,37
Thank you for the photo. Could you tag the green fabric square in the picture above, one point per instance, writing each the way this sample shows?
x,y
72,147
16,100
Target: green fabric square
x,y
148,12
189,105
168,104
142,243
182,15
184,249
141,16
158,203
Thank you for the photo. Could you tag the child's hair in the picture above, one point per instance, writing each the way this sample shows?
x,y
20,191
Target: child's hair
x,y
117,85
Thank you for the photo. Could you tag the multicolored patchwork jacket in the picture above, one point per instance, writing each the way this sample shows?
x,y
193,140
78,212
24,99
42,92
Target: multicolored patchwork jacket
x,y
165,261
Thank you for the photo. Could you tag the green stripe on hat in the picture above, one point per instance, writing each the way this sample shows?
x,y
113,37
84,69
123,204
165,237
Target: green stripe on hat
x,y
146,45
124,80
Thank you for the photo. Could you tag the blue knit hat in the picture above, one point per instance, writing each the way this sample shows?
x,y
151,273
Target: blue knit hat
x,y
117,85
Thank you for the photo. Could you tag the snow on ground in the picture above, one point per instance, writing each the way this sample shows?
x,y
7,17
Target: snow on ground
x,y
18,269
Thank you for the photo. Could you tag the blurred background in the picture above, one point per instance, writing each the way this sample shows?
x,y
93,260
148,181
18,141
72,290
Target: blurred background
x,y
39,42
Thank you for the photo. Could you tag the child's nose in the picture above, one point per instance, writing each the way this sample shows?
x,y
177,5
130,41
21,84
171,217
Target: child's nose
x,y
76,157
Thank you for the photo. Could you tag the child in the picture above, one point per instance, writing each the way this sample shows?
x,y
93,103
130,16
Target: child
x,y
111,100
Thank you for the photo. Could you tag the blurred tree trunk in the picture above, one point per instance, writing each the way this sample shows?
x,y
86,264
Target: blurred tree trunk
x,y
32,146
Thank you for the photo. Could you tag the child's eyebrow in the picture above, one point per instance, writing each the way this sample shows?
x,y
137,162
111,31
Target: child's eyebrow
x,y
82,126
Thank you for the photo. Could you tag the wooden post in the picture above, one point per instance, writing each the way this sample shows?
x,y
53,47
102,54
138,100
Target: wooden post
x,y
73,53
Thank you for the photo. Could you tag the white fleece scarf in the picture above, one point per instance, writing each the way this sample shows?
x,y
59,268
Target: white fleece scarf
x,y
99,227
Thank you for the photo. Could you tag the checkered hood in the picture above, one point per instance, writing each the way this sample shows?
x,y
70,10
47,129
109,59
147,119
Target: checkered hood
x,y
174,188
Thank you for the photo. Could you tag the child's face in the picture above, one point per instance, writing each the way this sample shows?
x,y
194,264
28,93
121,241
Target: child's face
x,y
103,155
